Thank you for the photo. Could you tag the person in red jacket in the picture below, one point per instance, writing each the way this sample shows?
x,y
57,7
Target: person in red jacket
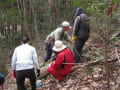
x,y
63,63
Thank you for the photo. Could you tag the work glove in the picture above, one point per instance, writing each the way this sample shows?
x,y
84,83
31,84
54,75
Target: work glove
x,y
13,74
73,39
38,72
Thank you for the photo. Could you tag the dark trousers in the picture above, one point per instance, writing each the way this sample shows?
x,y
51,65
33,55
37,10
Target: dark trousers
x,y
77,49
22,74
48,53
2,79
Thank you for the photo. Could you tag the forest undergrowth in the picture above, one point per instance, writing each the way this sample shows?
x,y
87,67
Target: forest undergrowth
x,y
90,78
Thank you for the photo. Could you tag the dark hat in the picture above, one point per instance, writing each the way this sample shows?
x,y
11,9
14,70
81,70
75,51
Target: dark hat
x,y
78,11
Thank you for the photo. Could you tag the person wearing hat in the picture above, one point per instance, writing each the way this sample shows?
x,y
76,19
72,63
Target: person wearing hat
x,y
63,63
80,34
23,58
57,34
79,11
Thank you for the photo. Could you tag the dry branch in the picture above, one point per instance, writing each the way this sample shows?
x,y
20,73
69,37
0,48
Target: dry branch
x,y
117,55
93,63
117,34
44,71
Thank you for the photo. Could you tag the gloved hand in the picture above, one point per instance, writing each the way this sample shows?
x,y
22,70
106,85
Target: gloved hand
x,y
13,74
38,72
73,39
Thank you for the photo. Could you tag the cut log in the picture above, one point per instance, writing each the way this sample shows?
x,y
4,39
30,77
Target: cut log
x,y
44,71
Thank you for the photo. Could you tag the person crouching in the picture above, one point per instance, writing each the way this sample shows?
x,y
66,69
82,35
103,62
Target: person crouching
x,y
61,67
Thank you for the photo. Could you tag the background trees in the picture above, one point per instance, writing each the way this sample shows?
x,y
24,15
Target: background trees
x,y
37,18
34,18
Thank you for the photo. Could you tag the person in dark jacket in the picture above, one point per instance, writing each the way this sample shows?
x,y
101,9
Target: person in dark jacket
x,y
2,79
59,69
80,34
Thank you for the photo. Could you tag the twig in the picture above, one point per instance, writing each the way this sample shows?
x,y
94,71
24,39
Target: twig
x,y
73,63
117,55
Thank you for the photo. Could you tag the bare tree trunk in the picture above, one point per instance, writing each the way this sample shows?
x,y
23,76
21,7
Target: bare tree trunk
x,y
2,28
106,62
14,29
52,13
34,20
8,32
23,13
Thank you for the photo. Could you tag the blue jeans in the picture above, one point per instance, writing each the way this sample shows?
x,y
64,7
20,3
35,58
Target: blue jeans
x,y
48,52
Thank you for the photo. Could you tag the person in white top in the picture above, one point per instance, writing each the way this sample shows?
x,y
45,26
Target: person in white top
x,y
57,34
23,58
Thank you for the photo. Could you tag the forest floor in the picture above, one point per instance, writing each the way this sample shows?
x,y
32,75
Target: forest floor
x,y
92,78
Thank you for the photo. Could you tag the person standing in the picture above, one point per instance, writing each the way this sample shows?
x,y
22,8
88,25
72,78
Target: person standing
x,y
57,34
23,58
61,67
80,34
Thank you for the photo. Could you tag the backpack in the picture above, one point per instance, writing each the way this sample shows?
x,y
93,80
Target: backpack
x,y
83,28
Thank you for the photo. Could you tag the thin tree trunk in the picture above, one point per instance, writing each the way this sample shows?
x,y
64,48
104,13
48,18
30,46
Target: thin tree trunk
x,y
22,12
105,51
52,13
34,20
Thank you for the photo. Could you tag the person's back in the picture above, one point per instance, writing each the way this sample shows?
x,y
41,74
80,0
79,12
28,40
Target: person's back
x,y
68,58
24,57
81,27
55,35
80,34
63,63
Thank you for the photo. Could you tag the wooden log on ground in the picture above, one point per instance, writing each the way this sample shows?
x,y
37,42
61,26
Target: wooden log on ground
x,y
117,34
44,70
92,63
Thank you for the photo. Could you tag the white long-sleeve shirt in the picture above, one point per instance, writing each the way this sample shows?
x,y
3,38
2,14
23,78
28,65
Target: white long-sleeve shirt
x,y
24,57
